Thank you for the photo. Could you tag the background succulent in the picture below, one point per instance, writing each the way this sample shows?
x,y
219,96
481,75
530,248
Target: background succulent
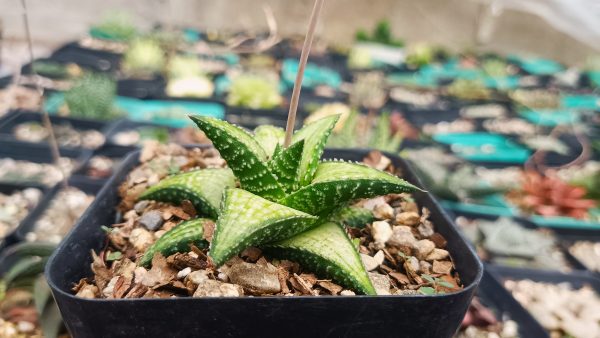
x,y
92,96
253,91
144,57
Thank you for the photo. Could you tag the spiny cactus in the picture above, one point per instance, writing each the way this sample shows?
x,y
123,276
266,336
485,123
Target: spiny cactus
x,y
92,96
287,197
253,91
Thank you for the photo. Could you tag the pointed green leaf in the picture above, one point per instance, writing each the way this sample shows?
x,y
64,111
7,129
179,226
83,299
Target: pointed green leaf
x,y
269,137
177,239
284,165
337,182
327,251
354,217
243,154
204,188
315,137
250,220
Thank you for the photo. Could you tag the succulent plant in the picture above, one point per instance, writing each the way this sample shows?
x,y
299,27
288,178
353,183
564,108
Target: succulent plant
x,y
24,279
144,57
381,34
368,91
469,90
550,196
92,96
252,91
115,26
285,200
376,133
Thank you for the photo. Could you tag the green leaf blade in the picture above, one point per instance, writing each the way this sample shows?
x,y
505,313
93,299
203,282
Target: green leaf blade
x,y
336,183
328,251
315,137
250,220
243,154
177,239
285,165
268,137
204,188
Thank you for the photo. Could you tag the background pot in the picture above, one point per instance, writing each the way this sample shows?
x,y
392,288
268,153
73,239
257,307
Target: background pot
x,y
358,316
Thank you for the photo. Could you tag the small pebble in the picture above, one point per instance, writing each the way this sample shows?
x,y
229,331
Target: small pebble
x,y
152,220
183,273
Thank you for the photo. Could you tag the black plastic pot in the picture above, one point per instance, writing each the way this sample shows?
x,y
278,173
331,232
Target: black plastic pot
x,y
85,184
576,280
359,316
495,296
142,88
38,153
112,151
8,124
9,188
252,118
100,61
566,240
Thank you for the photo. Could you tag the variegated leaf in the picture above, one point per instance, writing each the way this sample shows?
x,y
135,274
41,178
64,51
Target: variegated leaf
x,y
250,220
284,165
336,183
354,217
269,137
204,188
177,239
243,154
327,251
315,137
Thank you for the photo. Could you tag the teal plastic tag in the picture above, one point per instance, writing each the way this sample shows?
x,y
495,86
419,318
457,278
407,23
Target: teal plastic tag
x,y
313,75
551,117
484,147
584,101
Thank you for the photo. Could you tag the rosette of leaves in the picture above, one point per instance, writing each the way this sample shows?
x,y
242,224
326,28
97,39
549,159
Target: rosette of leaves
x,y
92,96
253,91
377,133
144,57
469,90
382,34
286,198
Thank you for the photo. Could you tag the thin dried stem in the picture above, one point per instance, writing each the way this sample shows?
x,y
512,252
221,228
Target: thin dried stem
x,y
291,121
45,117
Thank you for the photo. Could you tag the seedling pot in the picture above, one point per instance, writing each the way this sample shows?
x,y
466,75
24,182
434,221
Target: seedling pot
x,y
322,316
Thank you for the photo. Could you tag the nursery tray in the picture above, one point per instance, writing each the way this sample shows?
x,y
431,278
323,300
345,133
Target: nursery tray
x,y
496,297
10,121
324,316
38,153
8,188
142,88
100,61
113,151
252,118
568,239
85,184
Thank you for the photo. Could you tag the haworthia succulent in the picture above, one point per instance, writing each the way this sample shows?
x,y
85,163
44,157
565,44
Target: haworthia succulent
x,y
315,137
204,188
327,251
337,182
249,220
243,155
285,165
354,217
178,239
269,137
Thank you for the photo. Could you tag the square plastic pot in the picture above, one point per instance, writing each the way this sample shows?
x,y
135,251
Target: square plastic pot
x,y
325,316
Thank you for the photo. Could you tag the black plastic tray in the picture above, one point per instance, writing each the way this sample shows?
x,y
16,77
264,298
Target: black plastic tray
x,y
85,184
100,61
112,151
10,121
494,295
359,316
252,118
8,188
38,153
142,88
